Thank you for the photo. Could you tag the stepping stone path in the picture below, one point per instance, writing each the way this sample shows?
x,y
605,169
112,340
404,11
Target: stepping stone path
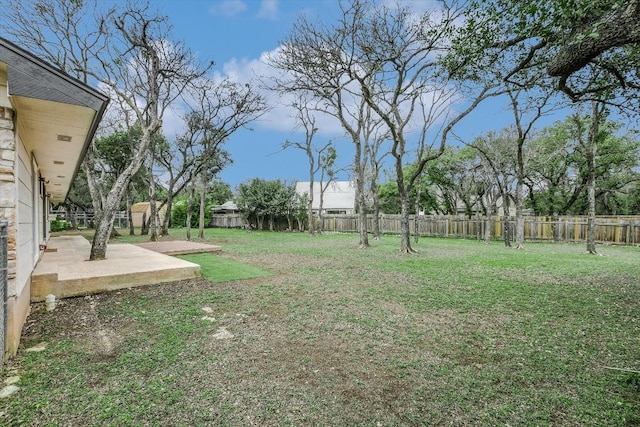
x,y
10,386
208,310
37,348
223,334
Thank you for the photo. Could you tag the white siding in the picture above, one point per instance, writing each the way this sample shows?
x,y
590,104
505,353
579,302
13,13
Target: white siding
x,y
339,196
25,243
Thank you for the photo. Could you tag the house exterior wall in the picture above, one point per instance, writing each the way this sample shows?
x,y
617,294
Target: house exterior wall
x,y
339,197
39,101
27,212
18,294
22,205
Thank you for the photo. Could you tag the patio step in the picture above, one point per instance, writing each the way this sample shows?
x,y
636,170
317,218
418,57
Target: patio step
x,y
67,273
45,284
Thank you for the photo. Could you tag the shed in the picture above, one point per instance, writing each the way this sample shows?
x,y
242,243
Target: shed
x,y
227,208
142,210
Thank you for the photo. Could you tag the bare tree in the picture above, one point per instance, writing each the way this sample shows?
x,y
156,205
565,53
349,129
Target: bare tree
x,y
526,113
374,137
127,49
498,155
587,140
402,80
191,189
379,59
326,163
153,206
319,61
307,122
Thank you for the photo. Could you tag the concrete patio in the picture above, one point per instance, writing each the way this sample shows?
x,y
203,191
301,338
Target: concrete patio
x,y
64,269
179,247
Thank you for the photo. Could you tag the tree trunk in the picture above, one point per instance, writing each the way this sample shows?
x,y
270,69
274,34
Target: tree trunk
x,y
416,218
506,227
153,219
376,212
519,240
189,206
557,229
132,230
166,221
97,197
488,225
110,207
310,199
164,231
144,227
99,245
203,202
405,232
153,207
104,221
71,211
519,187
591,219
491,211
590,153
361,201
114,233
616,29
320,225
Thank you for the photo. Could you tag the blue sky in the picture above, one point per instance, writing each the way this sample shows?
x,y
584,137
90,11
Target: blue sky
x,y
235,34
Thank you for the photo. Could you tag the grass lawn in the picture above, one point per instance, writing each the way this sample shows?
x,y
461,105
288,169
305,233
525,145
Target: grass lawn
x,y
216,269
291,330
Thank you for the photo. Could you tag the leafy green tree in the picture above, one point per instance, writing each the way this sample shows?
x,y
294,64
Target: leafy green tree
x,y
259,200
219,192
559,172
455,175
590,48
428,200
301,213
179,213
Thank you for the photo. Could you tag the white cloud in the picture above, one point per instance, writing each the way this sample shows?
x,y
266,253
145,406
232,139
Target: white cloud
x,y
228,7
268,9
281,117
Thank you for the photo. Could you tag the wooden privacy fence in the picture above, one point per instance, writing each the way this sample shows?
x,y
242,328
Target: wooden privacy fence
x,y
616,230
621,230
228,221
85,220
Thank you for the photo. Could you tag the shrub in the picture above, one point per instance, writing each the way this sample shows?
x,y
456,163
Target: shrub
x,y
179,214
60,225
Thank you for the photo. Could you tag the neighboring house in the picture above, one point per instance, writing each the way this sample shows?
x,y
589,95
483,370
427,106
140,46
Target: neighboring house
x,y
142,211
47,120
227,208
339,197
